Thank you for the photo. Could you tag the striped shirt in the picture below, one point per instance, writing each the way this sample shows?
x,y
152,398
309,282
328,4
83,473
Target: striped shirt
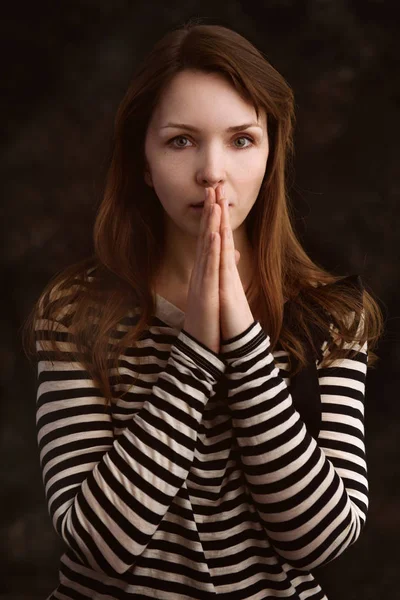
x,y
202,480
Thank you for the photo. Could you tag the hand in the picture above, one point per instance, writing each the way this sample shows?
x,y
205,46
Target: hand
x,y
203,306
235,313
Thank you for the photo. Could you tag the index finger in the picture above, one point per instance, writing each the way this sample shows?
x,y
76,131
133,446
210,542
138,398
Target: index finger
x,y
225,216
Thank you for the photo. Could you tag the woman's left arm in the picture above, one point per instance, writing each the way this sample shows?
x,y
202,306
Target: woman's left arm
x,y
312,496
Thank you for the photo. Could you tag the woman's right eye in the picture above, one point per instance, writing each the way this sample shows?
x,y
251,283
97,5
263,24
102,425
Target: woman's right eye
x,y
177,137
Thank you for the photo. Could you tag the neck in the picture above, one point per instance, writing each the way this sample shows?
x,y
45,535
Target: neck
x,y
172,275
179,256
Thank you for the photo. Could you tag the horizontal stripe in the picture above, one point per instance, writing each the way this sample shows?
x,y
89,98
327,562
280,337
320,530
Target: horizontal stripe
x,y
184,489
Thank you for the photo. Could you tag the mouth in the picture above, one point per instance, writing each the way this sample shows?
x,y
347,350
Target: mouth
x,y
200,205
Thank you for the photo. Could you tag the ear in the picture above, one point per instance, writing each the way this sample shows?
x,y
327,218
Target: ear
x,y
147,178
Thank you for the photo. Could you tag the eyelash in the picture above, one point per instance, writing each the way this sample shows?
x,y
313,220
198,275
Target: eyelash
x,y
247,137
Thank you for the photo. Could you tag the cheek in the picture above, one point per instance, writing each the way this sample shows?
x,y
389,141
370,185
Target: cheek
x,y
248,181
171,179
172,189
257,179
251,167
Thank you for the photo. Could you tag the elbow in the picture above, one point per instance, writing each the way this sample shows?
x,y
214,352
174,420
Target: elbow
x,y
329,545
95,555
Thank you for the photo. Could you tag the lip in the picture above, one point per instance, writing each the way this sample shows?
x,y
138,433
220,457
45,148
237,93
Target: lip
x,y
201,206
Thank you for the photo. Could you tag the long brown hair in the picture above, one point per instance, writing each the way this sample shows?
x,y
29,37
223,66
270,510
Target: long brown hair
x,y
88,301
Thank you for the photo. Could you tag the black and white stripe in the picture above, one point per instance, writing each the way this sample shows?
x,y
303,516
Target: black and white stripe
x,y
178,492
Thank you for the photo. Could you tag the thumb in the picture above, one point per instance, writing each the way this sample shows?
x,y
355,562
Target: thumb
x,y
237,256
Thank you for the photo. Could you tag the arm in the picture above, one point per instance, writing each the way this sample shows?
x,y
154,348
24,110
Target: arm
x,y
312,497
107,496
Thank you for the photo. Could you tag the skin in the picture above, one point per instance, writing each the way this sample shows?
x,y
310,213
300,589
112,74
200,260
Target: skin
x,y
182,169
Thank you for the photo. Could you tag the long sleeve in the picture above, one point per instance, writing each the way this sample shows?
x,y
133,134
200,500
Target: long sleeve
x,y
312,496
108,495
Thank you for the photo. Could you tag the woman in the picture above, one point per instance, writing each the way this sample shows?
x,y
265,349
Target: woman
x,y
201,380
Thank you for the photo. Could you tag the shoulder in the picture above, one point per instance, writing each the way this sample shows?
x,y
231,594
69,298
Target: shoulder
x,y
337,298
350,282
324,311
64,290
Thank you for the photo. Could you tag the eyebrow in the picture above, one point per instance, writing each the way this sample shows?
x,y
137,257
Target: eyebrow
x,y
230,129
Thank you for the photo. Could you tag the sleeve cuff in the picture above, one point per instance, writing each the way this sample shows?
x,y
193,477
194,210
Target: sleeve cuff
x,y
243,344
202,356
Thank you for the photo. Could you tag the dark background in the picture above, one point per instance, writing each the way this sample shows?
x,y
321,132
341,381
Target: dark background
x,y
66,66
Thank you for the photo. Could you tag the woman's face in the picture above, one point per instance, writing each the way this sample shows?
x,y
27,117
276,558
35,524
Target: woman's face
x,y
183,162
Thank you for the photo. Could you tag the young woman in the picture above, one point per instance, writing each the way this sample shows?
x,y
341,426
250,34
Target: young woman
x,y
201,381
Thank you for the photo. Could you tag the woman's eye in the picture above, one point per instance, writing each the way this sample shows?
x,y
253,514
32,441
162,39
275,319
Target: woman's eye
x,y
245,137
183,137
178,137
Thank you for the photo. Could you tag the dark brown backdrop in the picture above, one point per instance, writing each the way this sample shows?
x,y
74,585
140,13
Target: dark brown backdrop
x,y
65,68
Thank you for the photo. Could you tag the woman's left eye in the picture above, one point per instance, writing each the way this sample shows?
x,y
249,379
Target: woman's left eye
x,y
245,137
241,137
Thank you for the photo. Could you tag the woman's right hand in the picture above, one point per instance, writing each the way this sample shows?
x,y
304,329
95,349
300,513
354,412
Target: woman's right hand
x,y
202,319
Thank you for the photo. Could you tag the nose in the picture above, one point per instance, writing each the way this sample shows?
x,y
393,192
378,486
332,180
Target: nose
x,y
211,172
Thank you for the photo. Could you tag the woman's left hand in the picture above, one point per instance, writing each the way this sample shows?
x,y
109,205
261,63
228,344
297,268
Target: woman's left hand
x,y
235,313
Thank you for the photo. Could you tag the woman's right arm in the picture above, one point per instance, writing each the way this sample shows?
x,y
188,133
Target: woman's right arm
x,y
107,496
